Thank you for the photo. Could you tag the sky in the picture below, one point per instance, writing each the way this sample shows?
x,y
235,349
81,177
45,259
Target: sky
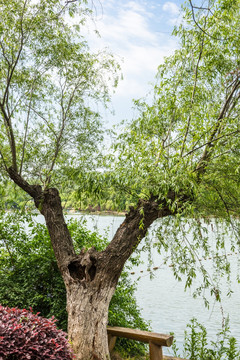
x,y
138,33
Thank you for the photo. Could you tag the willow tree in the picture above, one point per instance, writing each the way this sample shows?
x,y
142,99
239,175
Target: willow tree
x,y
173,157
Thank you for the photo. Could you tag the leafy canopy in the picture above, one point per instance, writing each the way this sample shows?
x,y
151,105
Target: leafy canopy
x,y
50,84
187,139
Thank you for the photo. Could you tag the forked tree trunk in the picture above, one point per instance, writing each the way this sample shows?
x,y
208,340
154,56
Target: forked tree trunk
x,y
89,285
91,277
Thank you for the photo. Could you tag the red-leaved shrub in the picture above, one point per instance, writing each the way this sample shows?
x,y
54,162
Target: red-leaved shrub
x,y
24,335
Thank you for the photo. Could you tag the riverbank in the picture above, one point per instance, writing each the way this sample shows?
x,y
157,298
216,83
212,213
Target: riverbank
x,y
94,212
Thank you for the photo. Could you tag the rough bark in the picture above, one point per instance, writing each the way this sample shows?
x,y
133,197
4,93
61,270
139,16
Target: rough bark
x,y
133,230
48,202
87,306
51,208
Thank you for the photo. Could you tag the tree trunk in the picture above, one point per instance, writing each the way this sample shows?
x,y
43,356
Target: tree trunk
x,y
87,320
89,286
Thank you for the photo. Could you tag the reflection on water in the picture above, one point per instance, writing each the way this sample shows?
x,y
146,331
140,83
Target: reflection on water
x,y
163,300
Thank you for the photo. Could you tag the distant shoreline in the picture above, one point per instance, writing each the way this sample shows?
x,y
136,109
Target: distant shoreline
x,y
79,212
94,212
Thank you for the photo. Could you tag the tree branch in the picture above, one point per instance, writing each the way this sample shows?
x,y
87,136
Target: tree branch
x,y
228,211
35,191
164,140
48,202
197,24
4,54
10,134
12,67
209,142
201,166
132,231
193,96
60,135
3,160
26,130
45,120
65,6
7,119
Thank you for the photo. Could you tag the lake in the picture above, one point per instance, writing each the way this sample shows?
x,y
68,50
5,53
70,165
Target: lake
x,y
163,300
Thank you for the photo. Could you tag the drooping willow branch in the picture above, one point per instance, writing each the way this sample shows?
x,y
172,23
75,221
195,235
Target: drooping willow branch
x,y
198,25
10,134
201,166
193,96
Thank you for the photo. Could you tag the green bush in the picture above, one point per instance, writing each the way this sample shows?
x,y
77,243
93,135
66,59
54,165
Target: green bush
x,y
29,276
198,347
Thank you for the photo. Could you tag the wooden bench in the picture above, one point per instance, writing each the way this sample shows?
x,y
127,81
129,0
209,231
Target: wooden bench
x,y
156,341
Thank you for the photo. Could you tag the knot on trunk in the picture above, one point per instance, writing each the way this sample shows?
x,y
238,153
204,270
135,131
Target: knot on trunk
x,y
83,268
48,199
51,196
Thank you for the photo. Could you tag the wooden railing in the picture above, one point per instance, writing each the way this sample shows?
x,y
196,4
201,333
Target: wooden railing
x,y
156,341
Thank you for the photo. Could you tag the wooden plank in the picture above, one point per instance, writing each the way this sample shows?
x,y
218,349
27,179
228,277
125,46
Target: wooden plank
x,y
140,335
155,351
111,342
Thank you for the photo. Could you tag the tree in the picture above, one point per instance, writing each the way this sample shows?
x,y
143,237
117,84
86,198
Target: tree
x,y
172,158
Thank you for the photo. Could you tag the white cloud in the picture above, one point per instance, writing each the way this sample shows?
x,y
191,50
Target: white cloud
x,y
173,10
139,68
171,7
126,30
133,5
129,24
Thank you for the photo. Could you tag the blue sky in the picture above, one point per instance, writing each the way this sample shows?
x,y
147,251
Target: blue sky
x,y
139,35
